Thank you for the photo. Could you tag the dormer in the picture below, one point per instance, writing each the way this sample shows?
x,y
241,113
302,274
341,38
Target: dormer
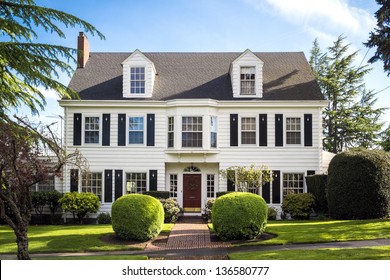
x,y
246,73
138,76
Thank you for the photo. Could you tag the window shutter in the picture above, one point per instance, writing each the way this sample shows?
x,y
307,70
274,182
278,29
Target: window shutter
x,y
230,184
263,129
107,185
118,183
308,127
266,192
106,129
77,129
276,186
121,129
152,180
150,130
233,130
74,180
278,130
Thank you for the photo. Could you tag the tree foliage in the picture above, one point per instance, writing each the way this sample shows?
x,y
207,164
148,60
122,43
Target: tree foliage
x,y
80,204
28,67
385,143
379,38
350,119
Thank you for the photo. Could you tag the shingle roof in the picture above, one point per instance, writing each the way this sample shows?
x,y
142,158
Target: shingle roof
x,y
286,76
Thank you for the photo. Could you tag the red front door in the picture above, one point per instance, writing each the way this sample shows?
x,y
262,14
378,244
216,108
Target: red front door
x,y
192,191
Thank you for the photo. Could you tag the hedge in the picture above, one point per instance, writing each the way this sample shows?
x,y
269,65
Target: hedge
x,y
316,184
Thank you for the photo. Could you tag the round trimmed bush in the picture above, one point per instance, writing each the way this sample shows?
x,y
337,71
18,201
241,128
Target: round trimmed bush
x,y
359,185
137,217
239,215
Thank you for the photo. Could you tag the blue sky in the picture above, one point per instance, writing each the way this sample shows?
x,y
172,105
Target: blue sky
x,y
222,25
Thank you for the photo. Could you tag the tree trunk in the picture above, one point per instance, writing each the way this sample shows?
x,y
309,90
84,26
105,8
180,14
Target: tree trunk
x,y
22,242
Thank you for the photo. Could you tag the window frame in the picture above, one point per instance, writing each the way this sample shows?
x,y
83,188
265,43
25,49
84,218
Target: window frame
x,y
90,187
171,132
200,132
213,131
248,78
84,130
210,189
300,180
143,131
143,180
143,81
255,131
173,189
287,131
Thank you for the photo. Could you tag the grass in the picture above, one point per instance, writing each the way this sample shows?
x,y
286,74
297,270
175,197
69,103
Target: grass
x,y
100,257
365,253
64,238
323,231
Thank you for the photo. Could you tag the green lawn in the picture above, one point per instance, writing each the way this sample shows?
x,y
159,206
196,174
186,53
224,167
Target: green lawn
x,y
100,257
64,238
323,231
365,253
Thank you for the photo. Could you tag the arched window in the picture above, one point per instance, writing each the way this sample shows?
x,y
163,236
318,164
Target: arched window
x,y
191,169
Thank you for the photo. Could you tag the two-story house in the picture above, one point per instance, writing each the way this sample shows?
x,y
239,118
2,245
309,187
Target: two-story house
x,y
171,121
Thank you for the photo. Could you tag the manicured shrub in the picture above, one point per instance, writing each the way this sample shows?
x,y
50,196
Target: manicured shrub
x,y
158,194
38,201
137,217
316,184
171,210
53,198
239,215
299,205
104,219
218,194
80,204
359,185
272,213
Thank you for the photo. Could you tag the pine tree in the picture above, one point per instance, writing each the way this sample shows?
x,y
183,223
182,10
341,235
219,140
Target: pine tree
x,y
350,119
28,67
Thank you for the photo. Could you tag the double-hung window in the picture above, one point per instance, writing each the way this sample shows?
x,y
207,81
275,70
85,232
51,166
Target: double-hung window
x,y
247,80
171,132
293,183
213,132
248,131
91,130
136,130
192,134
293,130
92,182
136,182
137,80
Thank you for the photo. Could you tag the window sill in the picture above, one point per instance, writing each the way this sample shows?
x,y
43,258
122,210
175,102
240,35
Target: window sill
x,y
192,151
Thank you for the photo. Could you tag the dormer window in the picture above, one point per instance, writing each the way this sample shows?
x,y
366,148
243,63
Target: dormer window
x,y
247,75
137,80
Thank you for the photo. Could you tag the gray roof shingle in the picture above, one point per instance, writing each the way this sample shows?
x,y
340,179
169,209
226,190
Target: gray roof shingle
x,y
286,76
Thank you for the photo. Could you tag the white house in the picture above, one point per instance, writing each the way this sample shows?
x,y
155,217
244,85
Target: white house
x,y
171,121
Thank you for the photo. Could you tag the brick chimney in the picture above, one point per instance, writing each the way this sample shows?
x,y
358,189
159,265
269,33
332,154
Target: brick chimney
x,y
82,50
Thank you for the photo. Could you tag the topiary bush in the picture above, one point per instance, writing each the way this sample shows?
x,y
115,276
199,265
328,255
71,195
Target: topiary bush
x,y
239,215
137,217
171,210
299,205
359,185
80,204
316,184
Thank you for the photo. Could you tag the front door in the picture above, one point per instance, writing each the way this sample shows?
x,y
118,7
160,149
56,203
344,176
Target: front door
x,y
192,192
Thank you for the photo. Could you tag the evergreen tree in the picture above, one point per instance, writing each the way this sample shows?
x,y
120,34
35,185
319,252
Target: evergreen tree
x,y
350,119
380,37
385,142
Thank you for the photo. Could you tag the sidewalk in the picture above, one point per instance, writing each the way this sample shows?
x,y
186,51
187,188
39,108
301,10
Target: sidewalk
x,y
190,239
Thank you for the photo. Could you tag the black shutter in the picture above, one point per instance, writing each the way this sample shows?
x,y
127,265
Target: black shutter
x,y
233,130
107,185
106,129
266,192
230,184
276,186
150,130
263,129
74,180
118,183
77,129
308,127
152,180
278,130
121,129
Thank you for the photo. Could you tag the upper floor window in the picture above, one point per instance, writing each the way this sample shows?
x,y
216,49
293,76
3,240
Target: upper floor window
x,y
136,182
171,132
192,132
213,132
293,130
248,130
292,183
137,80
92,182
136,130
247,80
91,130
